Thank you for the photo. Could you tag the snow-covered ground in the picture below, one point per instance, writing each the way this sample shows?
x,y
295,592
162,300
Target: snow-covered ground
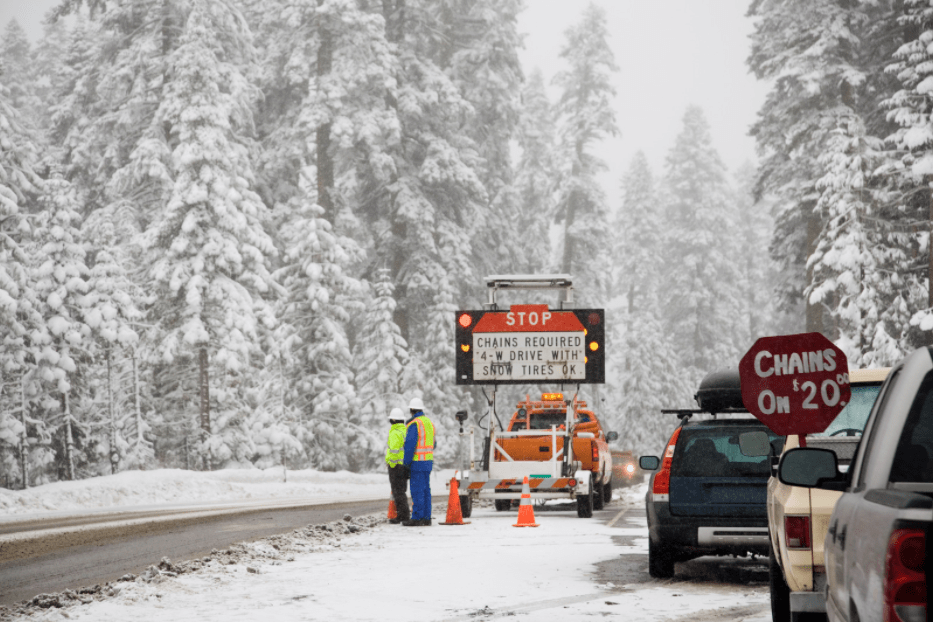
x,y
368,569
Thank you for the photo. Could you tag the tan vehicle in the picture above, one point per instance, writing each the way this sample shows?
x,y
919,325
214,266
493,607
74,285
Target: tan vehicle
x,y
798,518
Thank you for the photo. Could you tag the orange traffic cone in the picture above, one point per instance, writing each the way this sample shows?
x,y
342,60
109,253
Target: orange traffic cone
x,y
392,512
526,514
454,512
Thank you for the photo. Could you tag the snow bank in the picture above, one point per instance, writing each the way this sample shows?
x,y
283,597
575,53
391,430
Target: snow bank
x,y
136,489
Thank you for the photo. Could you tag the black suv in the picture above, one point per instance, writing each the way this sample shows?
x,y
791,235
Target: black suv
x,y
708,498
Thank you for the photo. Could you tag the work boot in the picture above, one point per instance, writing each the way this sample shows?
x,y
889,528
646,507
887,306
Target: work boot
x,y
412,522
425,522
396,521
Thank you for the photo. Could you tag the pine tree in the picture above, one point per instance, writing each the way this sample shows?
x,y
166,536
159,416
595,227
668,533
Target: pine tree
x,y
535,175
912,110
702,303
586,117
211,276
19,305
65,341
644,356
380,356
825,60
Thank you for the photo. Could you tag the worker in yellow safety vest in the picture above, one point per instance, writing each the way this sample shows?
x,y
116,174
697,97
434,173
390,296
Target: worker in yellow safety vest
x,y
398,472
419,458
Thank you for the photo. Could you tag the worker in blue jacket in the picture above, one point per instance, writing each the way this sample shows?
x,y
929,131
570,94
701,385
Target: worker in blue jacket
x,y
419,458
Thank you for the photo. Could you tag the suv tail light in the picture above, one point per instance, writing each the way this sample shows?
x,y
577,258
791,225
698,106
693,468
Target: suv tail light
x,y
662,481
797,532
905,583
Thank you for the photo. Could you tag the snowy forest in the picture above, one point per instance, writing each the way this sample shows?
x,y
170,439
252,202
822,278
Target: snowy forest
x,y
234,233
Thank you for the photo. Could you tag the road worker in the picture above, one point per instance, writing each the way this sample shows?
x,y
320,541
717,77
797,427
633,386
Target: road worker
x,y
398,472
419,458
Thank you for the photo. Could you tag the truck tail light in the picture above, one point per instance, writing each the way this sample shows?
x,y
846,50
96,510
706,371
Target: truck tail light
x,y
595,452
797,532
662,481
905,583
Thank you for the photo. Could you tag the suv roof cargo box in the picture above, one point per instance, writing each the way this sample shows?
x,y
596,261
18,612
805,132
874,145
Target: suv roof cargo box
x,y
719,391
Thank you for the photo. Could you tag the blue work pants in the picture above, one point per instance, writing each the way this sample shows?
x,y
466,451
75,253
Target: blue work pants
x,y
420,495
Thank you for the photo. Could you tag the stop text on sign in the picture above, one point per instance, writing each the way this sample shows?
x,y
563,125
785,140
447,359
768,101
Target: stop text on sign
x,y
795,384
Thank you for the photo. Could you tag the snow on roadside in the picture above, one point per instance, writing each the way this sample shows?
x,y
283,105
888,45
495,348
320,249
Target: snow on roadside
x,y
367,569
175,486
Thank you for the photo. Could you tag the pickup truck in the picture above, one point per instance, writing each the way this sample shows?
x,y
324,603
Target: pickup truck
x,y
875,549
589,446
798,517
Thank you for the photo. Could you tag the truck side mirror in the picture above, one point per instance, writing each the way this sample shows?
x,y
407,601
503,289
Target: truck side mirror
x,y
649,463
811,468
754,444
611,436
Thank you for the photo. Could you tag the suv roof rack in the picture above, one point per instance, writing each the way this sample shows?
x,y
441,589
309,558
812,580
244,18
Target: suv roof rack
x,y
685,413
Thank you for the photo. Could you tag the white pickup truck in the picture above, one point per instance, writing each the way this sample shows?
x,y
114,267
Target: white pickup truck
x,y
876,544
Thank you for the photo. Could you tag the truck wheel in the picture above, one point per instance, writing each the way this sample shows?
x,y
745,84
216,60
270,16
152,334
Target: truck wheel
x,y
607,491
503,504
585,503
660,561
780,593
466,505
598,498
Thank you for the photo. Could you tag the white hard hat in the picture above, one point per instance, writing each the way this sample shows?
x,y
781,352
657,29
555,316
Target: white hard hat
x,y
396,415
416,404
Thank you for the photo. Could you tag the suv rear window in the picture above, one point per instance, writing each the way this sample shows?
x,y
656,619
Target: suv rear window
x,y
714,452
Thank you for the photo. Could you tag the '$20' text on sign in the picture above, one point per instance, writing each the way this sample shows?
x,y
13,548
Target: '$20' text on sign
x,y
795,384
529,342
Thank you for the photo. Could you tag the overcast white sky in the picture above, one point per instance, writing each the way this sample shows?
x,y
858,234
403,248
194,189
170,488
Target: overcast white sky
x,y
671,53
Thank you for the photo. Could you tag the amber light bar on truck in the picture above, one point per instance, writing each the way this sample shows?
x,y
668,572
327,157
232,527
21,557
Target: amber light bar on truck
x,y
552,397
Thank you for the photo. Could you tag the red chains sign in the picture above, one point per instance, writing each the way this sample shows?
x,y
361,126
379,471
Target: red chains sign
x,y
795,384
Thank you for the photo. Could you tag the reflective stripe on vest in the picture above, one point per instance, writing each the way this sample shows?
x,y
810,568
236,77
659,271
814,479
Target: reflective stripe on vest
x,y
425,449
395,455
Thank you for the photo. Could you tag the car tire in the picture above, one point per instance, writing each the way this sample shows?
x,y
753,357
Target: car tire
x,y
503,504
585,503
660,561
466,505
780,593
598,496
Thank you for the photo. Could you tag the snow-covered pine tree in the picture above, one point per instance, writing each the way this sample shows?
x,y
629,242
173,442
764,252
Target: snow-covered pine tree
x,y
702,299
481,57
64,343
19,314
585,117
313,312
114,317
535,177
912,110
380,356
18,67
824,59
851,264
644,359
212,272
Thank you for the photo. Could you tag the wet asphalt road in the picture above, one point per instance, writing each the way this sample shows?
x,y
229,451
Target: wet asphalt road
x,y
79,559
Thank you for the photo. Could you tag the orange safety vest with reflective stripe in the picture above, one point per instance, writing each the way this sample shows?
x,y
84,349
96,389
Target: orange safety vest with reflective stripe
x,y
424,450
